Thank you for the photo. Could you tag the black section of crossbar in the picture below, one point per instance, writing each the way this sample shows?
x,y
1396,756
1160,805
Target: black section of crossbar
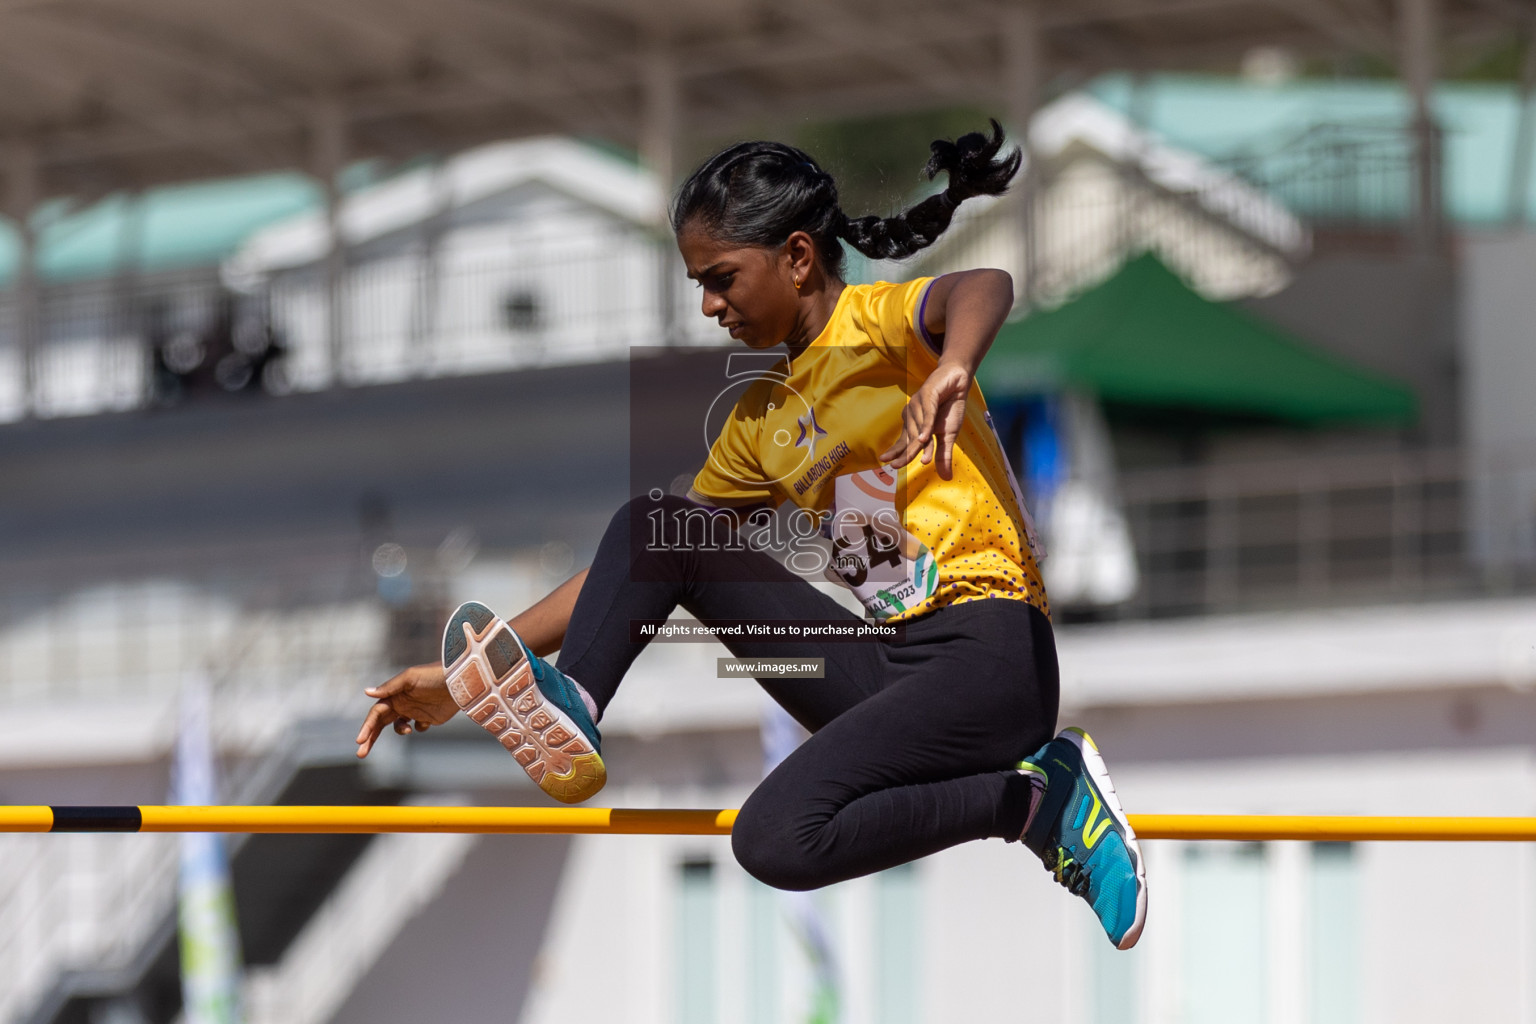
x,y
96,819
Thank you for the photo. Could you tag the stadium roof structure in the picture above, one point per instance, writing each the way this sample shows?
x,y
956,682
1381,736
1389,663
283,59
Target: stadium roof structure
x,y
98,95
201,223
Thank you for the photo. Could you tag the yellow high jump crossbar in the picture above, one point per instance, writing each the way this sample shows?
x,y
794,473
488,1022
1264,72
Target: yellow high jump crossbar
x,y
624,821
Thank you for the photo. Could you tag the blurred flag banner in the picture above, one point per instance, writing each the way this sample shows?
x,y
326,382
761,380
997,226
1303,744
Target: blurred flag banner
x,y
209,938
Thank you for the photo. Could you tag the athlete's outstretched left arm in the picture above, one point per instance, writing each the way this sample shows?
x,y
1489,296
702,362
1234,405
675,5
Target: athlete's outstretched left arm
x,y
962,313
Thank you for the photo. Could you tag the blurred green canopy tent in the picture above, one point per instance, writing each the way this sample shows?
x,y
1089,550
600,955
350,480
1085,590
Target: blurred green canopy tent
x,y
1145,338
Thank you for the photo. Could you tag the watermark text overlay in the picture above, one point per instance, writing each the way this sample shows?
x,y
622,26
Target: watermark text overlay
x,y
761,631
781,668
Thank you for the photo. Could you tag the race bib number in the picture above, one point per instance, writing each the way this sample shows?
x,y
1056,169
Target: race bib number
x,y
888,569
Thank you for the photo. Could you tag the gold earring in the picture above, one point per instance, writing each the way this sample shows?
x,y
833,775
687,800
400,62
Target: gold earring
x,y
797,284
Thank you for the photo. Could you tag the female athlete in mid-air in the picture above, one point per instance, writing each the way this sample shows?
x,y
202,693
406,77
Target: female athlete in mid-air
x,y
872,425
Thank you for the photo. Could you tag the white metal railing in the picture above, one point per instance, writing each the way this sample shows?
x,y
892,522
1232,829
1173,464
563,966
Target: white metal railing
x,y
1363,173
317,635
486,306
1303,532
140,639
491,303
77,902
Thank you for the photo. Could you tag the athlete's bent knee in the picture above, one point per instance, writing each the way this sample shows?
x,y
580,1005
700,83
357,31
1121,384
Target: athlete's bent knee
x,y
769,853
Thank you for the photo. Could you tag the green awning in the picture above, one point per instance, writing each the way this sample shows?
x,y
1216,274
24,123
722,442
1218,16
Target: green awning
x,y
1145,338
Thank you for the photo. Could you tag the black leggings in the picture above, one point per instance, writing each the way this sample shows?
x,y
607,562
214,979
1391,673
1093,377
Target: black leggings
x,y
913,740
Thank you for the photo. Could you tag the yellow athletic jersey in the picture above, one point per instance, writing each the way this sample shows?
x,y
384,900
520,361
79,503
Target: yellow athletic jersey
x,y
905,541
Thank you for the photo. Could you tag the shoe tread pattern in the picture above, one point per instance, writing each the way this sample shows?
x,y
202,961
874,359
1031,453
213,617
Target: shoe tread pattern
x,y
492,682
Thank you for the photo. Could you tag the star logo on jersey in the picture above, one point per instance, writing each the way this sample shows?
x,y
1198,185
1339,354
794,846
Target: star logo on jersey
x,y
810,430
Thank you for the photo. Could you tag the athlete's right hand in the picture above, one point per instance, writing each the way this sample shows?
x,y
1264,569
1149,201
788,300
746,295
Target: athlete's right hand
x,y
416,698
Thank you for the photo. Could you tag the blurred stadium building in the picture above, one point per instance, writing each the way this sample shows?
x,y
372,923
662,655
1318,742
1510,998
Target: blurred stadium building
x,y
319,319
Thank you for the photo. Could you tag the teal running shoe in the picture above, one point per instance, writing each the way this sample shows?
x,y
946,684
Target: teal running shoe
x,y
532,707
1081,833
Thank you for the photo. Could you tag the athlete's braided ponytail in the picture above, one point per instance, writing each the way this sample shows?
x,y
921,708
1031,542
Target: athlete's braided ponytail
x,y
759,193
974,169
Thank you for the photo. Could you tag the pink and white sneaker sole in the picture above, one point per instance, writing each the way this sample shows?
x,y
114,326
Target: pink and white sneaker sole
x,y
492,681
